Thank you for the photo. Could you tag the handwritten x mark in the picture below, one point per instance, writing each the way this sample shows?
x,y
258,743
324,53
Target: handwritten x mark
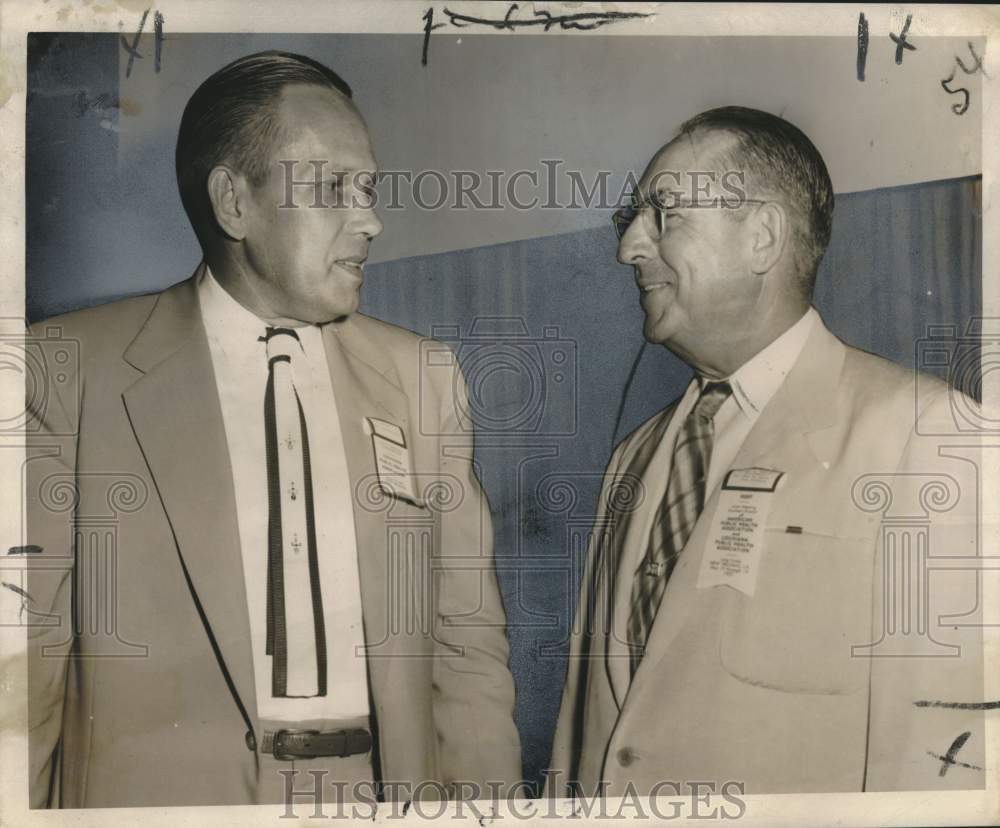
x,y
949,758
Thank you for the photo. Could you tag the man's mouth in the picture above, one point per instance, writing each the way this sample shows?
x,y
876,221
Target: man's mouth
x,y
651,286
356,264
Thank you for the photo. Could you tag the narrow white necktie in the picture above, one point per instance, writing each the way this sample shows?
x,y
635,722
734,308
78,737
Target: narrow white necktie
x,y
296,638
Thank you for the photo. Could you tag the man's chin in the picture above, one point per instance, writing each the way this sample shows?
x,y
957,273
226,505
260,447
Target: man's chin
x,y
655,331
338,315
331,311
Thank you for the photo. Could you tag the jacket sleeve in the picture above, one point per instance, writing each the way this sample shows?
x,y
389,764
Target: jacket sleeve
x,y
926,725
53,399
473,689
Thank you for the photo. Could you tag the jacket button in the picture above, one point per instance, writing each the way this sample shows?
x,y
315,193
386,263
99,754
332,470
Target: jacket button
x,y
251,741
626,756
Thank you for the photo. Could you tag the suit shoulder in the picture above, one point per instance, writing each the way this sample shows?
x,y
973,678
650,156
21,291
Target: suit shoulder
x,y
119,318
877,381
403,354
387,334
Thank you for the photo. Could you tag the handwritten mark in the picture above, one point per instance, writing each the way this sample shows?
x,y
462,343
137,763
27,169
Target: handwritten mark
x,y
901,41
24,597
977,67
429,27
957,108
30,549
158,39
962,108
949,758
984,705
133,48
862,45
581,21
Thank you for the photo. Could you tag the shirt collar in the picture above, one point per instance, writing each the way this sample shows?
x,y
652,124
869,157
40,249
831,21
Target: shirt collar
x,y
756,381
234,327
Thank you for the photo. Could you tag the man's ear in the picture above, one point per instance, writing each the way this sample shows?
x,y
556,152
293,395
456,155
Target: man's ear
x,y
227,191
768,237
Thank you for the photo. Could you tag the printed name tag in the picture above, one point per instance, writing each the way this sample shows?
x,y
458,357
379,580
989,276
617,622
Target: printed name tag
x,y
392,459
736,534
754,480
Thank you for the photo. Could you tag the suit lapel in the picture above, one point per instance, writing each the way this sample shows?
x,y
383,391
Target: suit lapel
x,y
793,430
633,532
362,389
802,409
175,414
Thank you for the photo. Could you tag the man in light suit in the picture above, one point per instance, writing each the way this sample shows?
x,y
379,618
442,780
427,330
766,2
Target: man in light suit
x,y
293,551
739,617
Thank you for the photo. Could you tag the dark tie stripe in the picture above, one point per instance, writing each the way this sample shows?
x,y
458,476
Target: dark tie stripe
x,y
319,623
276,635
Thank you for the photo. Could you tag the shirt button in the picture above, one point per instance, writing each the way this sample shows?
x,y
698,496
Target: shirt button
x,y
250,740
626,756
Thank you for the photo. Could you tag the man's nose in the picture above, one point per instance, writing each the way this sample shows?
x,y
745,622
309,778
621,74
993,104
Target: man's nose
x,y
368,223
635,245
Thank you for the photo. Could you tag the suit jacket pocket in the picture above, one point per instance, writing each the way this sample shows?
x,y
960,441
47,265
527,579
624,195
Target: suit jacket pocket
x,y
812,603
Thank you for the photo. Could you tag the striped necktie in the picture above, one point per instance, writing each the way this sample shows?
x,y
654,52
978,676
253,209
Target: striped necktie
x,y
676,516
296,639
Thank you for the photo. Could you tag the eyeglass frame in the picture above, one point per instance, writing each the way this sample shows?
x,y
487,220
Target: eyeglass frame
x,y
622,225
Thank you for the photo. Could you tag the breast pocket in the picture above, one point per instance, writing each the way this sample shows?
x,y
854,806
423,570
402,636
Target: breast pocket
x,y
811,605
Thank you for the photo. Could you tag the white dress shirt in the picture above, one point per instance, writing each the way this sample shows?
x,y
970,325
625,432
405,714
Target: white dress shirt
x,y
240,364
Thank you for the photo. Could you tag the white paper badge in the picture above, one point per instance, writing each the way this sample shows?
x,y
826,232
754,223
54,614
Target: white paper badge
x,y
736,534
392,459
754,480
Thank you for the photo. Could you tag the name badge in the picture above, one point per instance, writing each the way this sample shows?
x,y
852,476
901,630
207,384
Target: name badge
x,y
392,459
736,534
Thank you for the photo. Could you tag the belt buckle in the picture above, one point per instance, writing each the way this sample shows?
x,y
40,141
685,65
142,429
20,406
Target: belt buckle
x,y
279,737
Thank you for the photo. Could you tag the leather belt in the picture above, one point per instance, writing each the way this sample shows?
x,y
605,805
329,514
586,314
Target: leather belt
x,y
303,744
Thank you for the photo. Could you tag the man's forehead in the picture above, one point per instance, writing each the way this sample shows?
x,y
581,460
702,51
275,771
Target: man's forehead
x,y
319,101
322,124
676,162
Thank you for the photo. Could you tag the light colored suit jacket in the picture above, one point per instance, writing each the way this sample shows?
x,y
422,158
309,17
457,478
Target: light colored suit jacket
x,y
778,691
130,498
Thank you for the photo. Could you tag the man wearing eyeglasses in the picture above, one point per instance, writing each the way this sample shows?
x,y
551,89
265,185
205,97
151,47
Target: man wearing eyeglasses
x,y
739,617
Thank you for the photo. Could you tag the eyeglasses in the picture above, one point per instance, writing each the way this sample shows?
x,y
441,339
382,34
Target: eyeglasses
x,y
623,218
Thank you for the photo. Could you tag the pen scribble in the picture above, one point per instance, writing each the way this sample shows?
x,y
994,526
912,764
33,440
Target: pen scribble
x,y
580,21
984,705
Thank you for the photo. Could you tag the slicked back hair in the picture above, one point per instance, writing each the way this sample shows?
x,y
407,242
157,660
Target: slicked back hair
x,y
232,118
778,157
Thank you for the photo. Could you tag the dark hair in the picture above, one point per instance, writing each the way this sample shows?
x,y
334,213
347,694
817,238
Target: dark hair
x,y
778,157
231,118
